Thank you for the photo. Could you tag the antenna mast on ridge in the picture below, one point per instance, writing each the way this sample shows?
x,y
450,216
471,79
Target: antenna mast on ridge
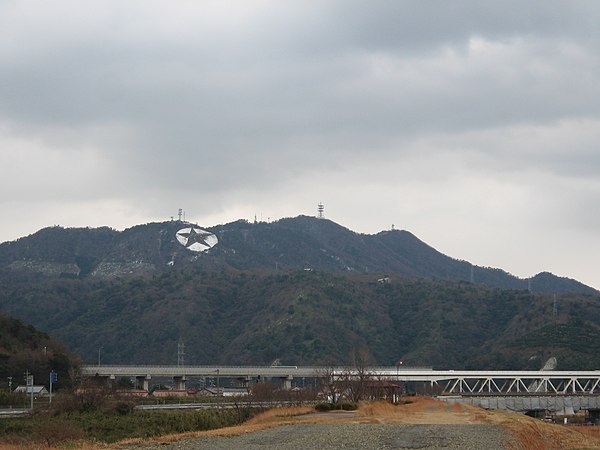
x,y
320,209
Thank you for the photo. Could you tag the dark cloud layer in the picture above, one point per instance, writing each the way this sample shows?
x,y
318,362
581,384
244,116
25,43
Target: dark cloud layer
x,y
469,123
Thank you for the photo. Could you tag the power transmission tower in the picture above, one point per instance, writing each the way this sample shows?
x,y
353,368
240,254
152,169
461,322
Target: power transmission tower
x,y
180,352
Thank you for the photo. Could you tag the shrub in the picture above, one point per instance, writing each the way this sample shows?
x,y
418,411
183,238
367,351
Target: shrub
x,y
114,420
124,408
345,406
324,407
54,432
12,398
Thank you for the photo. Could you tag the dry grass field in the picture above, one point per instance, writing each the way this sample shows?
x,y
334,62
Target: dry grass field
x,y
528,433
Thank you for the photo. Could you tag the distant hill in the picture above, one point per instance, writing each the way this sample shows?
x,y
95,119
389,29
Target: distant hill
x,y
288,244
24,348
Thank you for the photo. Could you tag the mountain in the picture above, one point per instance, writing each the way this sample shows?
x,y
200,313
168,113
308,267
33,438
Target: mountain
x,y
302,290
24,348
287,244
307,317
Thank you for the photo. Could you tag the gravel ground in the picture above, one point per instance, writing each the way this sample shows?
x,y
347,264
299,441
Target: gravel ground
x,y
354,436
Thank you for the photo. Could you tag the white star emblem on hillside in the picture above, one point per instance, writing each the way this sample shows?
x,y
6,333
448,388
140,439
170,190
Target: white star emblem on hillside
x,y
196,239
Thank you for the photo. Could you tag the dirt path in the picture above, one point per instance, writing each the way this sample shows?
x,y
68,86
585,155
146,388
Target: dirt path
x,y
425,423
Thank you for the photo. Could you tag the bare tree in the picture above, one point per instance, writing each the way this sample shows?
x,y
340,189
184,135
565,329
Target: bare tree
x,y
355,379
331,383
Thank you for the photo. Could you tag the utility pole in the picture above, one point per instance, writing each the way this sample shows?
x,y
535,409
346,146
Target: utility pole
x,y
218,393
53,379
29,384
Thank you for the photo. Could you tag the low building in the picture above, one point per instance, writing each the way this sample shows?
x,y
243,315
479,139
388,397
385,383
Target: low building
x,y
39,391
132,392
170,393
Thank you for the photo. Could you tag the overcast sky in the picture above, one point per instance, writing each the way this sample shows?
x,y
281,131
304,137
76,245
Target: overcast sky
x,y
474,125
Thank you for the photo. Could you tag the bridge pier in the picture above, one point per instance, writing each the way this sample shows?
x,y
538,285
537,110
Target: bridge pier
x,y
287,382
179,382
142,382
245,381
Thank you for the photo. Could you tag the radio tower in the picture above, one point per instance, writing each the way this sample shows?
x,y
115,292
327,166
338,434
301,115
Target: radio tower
x,y
320,209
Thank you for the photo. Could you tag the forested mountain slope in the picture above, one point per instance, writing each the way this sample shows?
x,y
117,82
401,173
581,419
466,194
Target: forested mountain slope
x,y
306,317
288,244
23,349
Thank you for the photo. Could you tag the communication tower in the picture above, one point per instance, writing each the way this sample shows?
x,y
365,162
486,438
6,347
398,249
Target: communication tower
x,y
320,209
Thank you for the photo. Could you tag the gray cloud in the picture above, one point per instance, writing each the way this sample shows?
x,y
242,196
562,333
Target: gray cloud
x,y
437,116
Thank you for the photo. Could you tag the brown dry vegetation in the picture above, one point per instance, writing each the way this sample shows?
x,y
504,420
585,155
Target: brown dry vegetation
x,y
529,434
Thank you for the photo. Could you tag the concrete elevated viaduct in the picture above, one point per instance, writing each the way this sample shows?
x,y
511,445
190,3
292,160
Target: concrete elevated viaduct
x,y
451,382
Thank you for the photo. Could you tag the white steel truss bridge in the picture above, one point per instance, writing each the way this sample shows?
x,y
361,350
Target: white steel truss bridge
x,y
523,383
500,382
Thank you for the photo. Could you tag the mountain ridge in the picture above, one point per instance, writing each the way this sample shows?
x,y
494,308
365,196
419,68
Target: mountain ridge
x,y
303,290
302,242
